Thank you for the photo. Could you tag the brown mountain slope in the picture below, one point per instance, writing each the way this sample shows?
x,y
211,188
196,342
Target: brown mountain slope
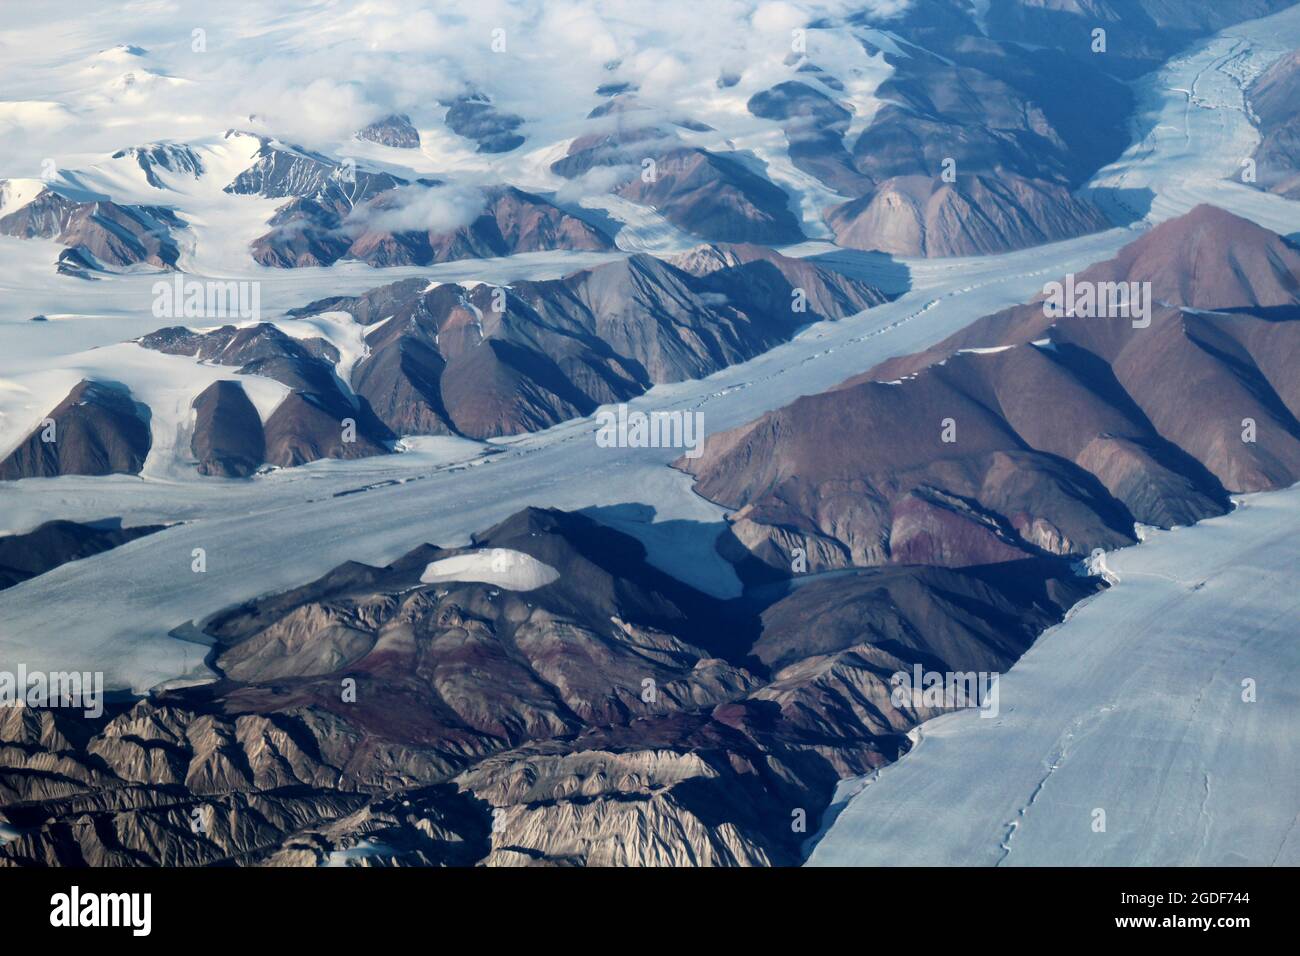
x,y
228,440
314,421
976,215
97,430
315,231
484,361
1275,100
610,716
1058,445
102,234
1207,258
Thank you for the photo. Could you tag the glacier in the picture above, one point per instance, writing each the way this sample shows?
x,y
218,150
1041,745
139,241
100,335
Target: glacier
x,y
1155,726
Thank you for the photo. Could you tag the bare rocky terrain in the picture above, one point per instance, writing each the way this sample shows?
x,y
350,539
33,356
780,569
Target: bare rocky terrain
x,y
473,116
484,361
394,130
568,687
612,716
99,233
707,194
340,211
307,425
228,438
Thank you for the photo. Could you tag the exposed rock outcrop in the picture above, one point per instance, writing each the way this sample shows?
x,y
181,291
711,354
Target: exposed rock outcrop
x,y
611,716
319,418
711,195
175,158
393,130
975,215
228,440
103,234
484,361
1274,101
473,116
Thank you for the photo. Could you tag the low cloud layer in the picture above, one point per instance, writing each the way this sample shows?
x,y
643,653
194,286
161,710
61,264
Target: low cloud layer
x,y
314,74
435,209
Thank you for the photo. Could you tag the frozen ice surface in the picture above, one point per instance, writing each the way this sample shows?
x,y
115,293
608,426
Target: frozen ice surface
x,y
1132,714
1138,706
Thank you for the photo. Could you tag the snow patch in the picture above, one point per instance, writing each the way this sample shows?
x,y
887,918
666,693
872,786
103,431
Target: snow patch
x,y
17,193
503,567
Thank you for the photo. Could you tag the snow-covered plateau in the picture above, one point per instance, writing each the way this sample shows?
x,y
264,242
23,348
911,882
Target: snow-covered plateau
x,y
503,567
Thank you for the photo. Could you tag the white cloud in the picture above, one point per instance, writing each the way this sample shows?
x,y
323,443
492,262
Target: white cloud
x,y
595,182
435,209
314,75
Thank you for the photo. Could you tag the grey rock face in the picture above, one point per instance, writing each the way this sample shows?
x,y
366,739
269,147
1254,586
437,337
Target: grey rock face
x,y
393,130
99,233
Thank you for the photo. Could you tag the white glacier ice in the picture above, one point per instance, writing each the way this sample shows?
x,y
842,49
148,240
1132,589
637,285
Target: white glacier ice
x,y
1168,703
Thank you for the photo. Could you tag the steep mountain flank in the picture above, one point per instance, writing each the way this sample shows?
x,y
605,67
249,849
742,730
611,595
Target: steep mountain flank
x,y
484,361
102,234
97,430
1274,100
228,440
1029,432
319,418
711,195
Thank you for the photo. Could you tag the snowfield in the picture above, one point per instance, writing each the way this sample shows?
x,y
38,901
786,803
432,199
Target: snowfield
x,y
504,567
